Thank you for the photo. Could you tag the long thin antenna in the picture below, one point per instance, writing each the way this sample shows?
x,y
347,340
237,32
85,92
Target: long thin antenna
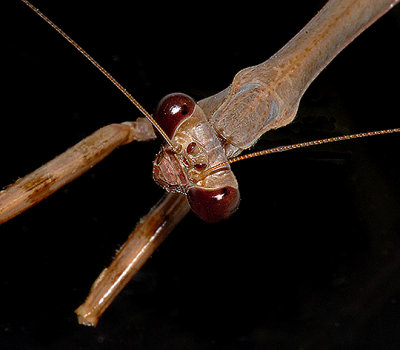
x,y
302,145
101,69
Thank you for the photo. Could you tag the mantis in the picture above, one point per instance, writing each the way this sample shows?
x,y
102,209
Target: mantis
x,y
238,219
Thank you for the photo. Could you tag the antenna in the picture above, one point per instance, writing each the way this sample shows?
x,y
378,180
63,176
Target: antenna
x,y
302,145
101,69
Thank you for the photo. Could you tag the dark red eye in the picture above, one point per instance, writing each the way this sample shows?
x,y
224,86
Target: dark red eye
x,y
172,110
213,205
191,147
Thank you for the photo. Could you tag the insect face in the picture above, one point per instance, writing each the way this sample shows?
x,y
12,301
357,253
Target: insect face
x,y
213,196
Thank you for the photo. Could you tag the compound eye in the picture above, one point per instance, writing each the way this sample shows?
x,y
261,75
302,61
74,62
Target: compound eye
x,y
213,205
172,110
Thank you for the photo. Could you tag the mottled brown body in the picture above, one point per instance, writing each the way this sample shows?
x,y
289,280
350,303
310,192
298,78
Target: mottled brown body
x,y
260,98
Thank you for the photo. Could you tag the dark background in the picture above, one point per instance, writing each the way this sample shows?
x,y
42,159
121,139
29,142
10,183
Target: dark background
x,y
310,260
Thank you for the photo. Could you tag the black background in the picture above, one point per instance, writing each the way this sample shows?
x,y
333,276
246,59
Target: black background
x,y
310,260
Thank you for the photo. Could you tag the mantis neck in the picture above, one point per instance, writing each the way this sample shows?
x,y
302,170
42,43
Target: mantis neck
x,y
335,26
267,96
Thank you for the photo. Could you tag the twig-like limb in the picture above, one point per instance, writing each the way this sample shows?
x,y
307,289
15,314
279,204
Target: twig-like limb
x,y
43,182
143,241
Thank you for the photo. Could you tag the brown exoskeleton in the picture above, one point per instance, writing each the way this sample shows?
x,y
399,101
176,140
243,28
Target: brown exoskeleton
x,y
195,163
